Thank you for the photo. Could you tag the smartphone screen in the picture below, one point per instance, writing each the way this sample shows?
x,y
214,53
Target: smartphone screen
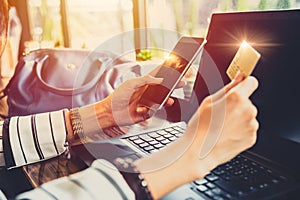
x,y
172,70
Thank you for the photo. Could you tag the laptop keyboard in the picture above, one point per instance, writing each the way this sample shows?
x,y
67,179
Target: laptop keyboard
x,y
153,141
236,179
233,180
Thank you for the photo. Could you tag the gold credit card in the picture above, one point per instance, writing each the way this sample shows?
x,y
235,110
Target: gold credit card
x,y
244,61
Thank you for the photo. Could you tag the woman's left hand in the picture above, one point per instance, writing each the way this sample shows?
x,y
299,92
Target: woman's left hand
x,y
124,101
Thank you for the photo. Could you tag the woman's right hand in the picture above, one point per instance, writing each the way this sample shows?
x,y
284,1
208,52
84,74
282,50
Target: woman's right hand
x,y
228,121
224,125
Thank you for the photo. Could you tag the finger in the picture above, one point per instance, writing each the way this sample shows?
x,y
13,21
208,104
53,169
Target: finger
x,y
180,84
246,87
144,112
146,80
238,78
169,102
141,110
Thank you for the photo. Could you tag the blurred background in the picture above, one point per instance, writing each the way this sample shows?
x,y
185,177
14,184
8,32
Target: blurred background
x,y
86,24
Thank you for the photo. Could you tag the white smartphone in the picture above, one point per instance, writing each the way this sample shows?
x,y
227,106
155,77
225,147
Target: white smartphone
x,y
172,70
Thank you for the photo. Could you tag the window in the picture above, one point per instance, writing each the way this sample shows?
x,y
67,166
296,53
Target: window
x,y
87,23
191,17
77,23
93,23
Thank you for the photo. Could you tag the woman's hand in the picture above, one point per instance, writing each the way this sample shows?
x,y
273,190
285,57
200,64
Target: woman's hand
x,y
228,121
224,125
122,105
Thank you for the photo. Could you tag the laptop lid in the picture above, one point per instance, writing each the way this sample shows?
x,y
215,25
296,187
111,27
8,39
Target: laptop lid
x,y
275,34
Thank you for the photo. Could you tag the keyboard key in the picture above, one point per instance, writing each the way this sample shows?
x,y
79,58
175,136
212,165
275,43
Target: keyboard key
x,y
174,132
218,171
177,128
154,142
178,135
226,195
263,185
144,144
160,138
149,148
201,188
168,135
169,129
209,193
146,138
210,185
165,141
211,177
138,141
159,146
154,150
153,135
241,193
162,132
133,138
200,181
274,180
217,190
173,138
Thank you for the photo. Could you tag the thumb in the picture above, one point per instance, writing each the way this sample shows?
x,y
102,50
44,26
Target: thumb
x,y
220,93
246,87
147,80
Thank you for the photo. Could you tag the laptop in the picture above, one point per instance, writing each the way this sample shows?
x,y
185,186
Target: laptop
x,y
269,170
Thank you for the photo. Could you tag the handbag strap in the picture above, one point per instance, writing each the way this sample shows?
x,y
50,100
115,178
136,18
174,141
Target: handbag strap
x,y
66,91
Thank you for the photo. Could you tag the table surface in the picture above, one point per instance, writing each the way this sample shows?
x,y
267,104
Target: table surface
x,y
52,169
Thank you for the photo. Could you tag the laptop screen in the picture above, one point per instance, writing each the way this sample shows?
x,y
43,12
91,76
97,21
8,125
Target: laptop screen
x,y
276,35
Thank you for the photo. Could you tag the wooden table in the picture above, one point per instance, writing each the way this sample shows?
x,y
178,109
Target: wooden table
x,y
52,169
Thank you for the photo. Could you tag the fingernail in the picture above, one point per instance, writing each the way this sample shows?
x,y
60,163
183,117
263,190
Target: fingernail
x,y
139,109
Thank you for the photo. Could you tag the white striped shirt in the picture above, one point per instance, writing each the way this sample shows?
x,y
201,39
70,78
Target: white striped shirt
x,y
34,138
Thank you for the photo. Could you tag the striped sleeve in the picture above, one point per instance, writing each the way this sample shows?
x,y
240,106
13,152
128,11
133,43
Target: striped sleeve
x,y
100,181
2,162
33,138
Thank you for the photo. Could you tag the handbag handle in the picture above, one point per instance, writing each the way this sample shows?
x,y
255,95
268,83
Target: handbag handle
x,y
65,91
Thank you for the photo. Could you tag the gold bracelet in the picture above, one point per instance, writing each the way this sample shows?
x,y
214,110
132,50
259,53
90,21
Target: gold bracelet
x,y
76,123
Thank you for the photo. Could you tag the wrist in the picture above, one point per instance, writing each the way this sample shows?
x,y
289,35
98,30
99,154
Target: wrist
x,y
173,166
104,113
134,178
70,136
75,132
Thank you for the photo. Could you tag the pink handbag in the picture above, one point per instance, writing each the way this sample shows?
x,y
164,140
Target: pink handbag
x,y
52,79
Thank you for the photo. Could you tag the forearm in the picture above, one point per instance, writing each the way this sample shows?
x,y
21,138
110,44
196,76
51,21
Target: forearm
x,y
96,117
171,167
104,113
33,138
100,181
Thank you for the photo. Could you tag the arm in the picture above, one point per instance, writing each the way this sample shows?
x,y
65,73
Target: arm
x,y
235,125
224,125
29,139
33,138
